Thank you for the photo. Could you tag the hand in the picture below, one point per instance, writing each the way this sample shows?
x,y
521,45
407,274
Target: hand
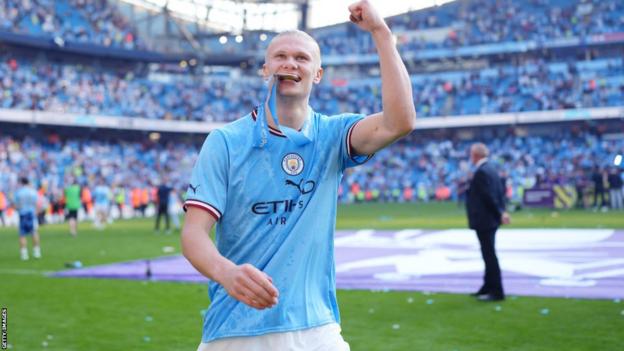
x,y
505,218
366,17
250,286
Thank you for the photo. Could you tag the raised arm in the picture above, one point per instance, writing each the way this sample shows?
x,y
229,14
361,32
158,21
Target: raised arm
x,y
399,115
243,282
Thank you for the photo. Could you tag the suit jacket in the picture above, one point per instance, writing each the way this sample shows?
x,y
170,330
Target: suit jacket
x,y
485,202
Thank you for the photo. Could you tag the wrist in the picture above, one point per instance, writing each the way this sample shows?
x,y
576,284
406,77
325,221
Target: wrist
x,y
221,270
381,32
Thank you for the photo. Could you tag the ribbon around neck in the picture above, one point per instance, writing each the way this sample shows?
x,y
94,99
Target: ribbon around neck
x,y
261,131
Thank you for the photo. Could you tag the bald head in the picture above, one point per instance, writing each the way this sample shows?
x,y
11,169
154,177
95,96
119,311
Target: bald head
x,y
306,38
478,151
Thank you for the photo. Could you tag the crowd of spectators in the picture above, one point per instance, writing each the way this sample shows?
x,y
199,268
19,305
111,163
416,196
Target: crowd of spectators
x,y
82,21
38,84
415,169
476,22
53,163
456,24
83,89
431,168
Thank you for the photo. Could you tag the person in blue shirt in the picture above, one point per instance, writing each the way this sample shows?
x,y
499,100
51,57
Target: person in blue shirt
x,y
102,196
25,201
269,181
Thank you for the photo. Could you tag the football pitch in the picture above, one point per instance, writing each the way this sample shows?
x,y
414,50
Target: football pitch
x,y
45,313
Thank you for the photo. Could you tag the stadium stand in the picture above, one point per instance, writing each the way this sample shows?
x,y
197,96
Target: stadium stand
x,y
42,85
420,168
478,22
538,83
528,55
72,20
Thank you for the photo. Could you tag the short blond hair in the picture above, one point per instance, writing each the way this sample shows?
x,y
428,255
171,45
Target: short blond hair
x,y
297,33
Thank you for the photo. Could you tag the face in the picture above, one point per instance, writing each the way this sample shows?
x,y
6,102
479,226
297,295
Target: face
x,y
297,56
474,157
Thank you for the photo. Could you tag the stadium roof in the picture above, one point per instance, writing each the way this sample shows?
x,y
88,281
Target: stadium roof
x,y
236,16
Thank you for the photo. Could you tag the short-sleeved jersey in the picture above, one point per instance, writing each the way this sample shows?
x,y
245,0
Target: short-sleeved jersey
x,y
276,209
26,200
102,195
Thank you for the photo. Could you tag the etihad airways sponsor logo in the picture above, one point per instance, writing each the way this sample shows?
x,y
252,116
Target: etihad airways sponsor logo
x,y
278,206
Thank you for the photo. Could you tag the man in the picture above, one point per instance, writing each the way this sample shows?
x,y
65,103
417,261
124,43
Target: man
x,y
102,201
43,204
135,198
120,199
162,198
270,182
615,189
3,206
25,200
579,186
87,200
598,179
485,205
72,205
174,208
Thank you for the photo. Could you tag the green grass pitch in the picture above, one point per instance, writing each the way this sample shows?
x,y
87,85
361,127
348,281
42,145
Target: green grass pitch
x,y
96,314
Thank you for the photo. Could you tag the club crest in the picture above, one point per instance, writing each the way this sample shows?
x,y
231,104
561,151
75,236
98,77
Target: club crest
x,y
292,164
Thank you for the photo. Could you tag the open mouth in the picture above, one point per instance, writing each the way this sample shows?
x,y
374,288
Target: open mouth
x,y
287,76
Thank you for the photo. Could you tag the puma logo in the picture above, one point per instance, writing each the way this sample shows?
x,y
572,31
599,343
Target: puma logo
x,y
304,188
194,188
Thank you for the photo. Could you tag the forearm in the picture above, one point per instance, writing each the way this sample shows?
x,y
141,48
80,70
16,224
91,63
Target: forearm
x,y
201,252
396,88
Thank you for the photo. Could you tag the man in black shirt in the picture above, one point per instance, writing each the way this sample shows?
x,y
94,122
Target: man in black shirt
x,y
615,189
162,202
599,190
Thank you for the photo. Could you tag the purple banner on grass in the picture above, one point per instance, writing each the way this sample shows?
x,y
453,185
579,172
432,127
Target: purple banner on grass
x,y
575,263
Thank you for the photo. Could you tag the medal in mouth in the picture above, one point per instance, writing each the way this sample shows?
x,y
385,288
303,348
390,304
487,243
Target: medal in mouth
x,y
287,76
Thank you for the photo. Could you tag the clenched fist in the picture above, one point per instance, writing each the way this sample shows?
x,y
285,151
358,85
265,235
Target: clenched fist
x,y
366,17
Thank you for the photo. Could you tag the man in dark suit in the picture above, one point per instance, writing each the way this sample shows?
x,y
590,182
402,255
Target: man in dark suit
x,y
163,194
485,205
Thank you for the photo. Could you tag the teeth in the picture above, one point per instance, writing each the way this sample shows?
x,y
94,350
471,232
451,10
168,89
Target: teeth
x,y
288,77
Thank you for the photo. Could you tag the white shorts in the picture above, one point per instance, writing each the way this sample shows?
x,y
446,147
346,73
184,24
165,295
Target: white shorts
x,y
323,338
101,207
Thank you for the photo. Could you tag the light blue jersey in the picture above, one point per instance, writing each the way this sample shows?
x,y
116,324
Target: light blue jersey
x,y
102,195
275,202
25,199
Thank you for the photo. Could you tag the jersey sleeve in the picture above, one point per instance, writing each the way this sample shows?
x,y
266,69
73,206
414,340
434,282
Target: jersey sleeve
x,y
349,158
208,185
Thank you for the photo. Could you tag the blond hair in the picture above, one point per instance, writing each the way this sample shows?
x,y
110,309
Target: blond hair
x,y
300,34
